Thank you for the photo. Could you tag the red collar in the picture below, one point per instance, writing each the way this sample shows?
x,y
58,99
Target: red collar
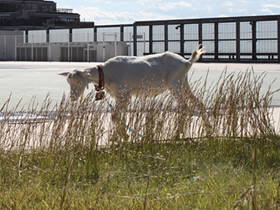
x,y
101,83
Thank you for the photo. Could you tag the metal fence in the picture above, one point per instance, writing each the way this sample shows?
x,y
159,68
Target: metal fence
x,y
236,39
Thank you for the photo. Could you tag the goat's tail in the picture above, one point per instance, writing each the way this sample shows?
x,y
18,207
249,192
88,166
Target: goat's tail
x,y
197,53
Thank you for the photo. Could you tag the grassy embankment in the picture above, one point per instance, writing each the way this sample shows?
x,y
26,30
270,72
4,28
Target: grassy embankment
x,y
178,163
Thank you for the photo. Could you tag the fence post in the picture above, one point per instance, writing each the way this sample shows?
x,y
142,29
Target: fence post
x,y
95,34
26,36
16,47
48,35
254,39
216,35
150,39
182,41
134,39
278,39
165,37
200,33
70,35
122,33
237,41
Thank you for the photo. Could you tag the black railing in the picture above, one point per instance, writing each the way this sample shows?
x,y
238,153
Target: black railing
x,y
235,39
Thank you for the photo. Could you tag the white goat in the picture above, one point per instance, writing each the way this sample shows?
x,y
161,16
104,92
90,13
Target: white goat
x,y
126,76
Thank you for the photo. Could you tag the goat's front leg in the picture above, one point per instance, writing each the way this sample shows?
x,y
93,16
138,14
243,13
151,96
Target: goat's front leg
x,y
119,116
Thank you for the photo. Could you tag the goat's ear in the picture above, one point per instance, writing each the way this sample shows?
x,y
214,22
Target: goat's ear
x,y
65,74
85,74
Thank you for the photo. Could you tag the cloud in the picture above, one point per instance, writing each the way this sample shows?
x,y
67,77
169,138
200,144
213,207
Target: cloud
x,y
129,11
268,8
274,6
173,5
228,4
101,17
148,2
234,8
164,5
222,16
242,10
207,8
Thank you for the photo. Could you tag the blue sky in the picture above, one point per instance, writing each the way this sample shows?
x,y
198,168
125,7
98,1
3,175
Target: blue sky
x,y
129,11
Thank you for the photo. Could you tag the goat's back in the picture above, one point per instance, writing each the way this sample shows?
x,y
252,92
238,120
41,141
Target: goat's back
x,y
156,71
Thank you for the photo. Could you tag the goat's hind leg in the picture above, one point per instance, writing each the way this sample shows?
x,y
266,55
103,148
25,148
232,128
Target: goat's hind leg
x,y
201,109
183,95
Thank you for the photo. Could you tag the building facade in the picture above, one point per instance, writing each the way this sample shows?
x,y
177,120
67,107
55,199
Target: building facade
x,y
37,14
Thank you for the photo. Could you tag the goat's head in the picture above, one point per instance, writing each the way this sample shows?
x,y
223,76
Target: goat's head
x,y
77,81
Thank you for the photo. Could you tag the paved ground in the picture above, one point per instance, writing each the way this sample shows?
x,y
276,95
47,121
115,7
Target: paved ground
x,y
25,80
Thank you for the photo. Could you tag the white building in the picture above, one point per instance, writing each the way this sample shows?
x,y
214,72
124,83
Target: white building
x,y
14,46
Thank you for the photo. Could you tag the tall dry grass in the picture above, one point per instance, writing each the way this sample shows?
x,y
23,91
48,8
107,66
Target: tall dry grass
x,y
236,109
